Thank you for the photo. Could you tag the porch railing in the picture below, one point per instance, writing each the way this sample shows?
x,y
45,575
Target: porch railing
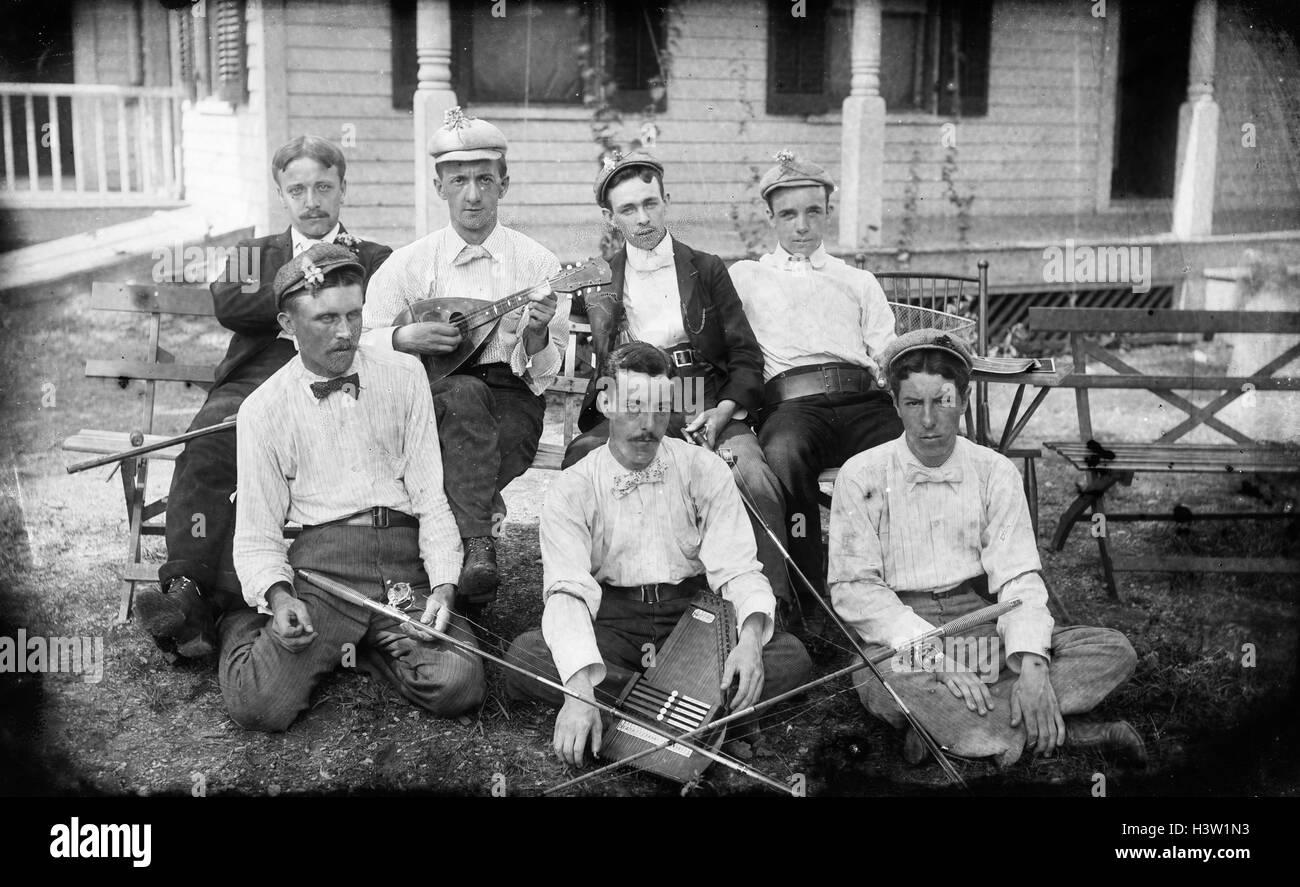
x,y
90,140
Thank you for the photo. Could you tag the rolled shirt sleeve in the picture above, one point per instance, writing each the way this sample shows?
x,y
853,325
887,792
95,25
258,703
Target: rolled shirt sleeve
x,y
856,565
261,506
1009,556
570,591
728,550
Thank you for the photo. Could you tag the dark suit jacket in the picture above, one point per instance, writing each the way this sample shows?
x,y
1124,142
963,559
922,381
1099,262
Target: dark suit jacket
x,y
710,305
251,316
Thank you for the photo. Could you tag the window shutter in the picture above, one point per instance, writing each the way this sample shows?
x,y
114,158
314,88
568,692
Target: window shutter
x,y
231,66
796,58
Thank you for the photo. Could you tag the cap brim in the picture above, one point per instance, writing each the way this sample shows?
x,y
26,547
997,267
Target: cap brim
x,y
929,346
472,154
796,183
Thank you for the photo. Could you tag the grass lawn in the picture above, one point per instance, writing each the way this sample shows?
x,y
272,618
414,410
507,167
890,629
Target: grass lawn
x,y
1212,725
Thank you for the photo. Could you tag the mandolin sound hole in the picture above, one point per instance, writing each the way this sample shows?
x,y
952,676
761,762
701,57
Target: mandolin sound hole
x,y
457,319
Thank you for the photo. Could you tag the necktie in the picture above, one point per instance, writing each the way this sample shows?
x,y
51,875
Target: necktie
x,y
919,474
470,253
647,261
629,480
347,384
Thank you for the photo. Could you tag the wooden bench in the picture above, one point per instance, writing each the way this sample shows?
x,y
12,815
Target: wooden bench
x,y
1109,460
155,302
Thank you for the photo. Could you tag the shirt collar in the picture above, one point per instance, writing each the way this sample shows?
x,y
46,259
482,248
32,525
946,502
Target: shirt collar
x,y
786,261
304,378
302,243
906,458
661,256
494,244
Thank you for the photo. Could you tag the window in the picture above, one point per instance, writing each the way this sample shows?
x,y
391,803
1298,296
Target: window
x,y
212,50
537,51
934,56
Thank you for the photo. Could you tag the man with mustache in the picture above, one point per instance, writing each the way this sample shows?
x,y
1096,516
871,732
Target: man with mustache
x,y
490,410
820,323
926,526
629,535
198,580
341,440
681,300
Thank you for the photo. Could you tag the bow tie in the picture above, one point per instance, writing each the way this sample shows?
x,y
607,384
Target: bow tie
x,y
347,384
470,253
629,480
919,474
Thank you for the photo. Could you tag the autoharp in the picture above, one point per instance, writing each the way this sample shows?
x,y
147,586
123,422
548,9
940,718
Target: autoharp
x,y
477,319
680,691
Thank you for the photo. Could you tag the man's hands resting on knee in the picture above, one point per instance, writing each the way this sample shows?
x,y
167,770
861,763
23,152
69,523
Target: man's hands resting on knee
x,y
291,623
1033,701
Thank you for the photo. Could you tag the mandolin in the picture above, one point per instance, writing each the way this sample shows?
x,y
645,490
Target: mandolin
x,y
477,319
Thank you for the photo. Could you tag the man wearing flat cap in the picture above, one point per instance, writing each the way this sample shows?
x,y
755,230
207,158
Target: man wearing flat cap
x,y
923,529
821,324
341,440
681,300
490,409
198,579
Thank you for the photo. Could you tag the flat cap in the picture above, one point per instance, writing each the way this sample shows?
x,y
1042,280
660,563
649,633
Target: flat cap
x,y
308,270
466,138
619,162
791,172
923,340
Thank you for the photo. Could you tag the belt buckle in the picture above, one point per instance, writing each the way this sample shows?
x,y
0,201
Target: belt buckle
x,y
379,517
830,379
650,593
680,355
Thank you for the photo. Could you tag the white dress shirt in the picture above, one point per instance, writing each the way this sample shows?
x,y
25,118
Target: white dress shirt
x,y
891,533
442,265
689,524
814,310
651,300
311,461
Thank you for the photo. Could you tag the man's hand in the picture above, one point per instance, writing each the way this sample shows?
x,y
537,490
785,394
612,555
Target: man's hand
x,y
427,338
291,625
437,612
541,308
745,665
968,686
577,722
1033,700
713,421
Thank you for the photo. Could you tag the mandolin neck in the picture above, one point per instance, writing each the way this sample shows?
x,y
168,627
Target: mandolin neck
x,y
498,310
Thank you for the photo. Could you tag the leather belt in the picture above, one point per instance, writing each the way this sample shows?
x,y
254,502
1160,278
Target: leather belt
x,y
978,586
379,518
657,592
825,378
683,355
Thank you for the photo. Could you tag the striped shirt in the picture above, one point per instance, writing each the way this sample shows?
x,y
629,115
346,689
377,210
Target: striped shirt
x,y
433,267
311,461
890,533
692,523
811,311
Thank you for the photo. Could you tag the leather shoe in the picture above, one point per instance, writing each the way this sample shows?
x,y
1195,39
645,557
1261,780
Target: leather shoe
x,y
179,619
1115,738
479,578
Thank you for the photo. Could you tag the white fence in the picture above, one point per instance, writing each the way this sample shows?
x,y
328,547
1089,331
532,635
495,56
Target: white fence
x,y
93,142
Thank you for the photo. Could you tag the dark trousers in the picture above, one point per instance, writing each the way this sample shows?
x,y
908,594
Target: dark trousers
x,y
803,437
200,515
622,628
489,423
266,687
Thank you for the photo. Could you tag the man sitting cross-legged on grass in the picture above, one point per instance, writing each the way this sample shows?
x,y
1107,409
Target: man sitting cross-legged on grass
x,y
342,440
917,526
630,534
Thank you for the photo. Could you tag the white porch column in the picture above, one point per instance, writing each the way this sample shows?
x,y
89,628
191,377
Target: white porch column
x,y
433,96
862,135
1198,127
